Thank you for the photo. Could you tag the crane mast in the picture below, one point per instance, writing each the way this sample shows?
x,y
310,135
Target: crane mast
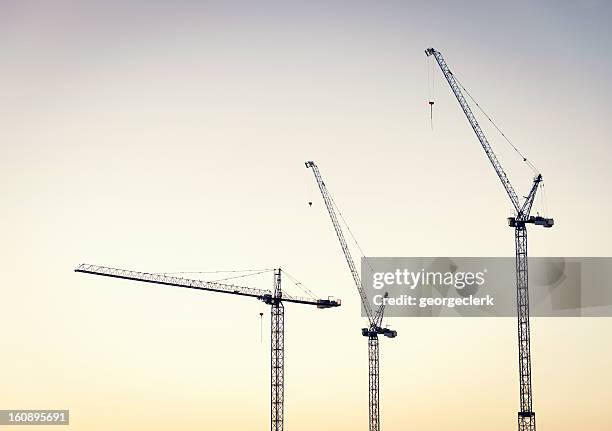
x,y
274,298
277,356
526,415
374,319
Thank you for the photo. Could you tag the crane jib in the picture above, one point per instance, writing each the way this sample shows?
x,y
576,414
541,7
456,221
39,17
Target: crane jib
x,y
262,295
343,244
452,82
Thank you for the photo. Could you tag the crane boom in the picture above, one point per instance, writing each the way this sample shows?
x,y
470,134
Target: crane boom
x,y
347,253
454,84
211,286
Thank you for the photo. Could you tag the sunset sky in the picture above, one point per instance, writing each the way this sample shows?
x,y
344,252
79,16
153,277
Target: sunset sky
x,y
171,136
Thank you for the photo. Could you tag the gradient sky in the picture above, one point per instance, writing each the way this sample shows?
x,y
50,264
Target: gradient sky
x,y
171,136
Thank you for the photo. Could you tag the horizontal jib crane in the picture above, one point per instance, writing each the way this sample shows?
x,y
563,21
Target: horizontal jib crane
x,y
274,298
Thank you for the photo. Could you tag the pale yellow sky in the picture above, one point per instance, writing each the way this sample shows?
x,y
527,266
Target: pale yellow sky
x,y
168,137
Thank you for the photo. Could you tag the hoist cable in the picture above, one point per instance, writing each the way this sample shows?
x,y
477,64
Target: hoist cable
x,y
243,276
535,170
350,232
214,272
299,284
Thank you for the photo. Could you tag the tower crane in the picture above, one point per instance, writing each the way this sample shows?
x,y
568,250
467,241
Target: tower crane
x,y
522,217
375,318
274,299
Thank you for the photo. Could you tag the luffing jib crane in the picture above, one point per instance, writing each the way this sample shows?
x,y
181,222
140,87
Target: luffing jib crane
x,y
274,299
374,318
522,217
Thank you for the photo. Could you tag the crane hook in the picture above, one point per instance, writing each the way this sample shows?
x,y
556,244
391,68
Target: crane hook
x,y
431,104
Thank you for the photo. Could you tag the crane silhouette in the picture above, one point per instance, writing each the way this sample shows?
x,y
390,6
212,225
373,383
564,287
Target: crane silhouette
x,y
375,318
522,217
274,299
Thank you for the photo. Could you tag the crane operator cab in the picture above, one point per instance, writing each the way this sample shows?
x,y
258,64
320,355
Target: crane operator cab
x,y
537,220
369,332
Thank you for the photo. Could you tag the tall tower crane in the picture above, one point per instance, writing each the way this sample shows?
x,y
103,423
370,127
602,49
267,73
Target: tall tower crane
x,y
375,318
274,299
522,217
